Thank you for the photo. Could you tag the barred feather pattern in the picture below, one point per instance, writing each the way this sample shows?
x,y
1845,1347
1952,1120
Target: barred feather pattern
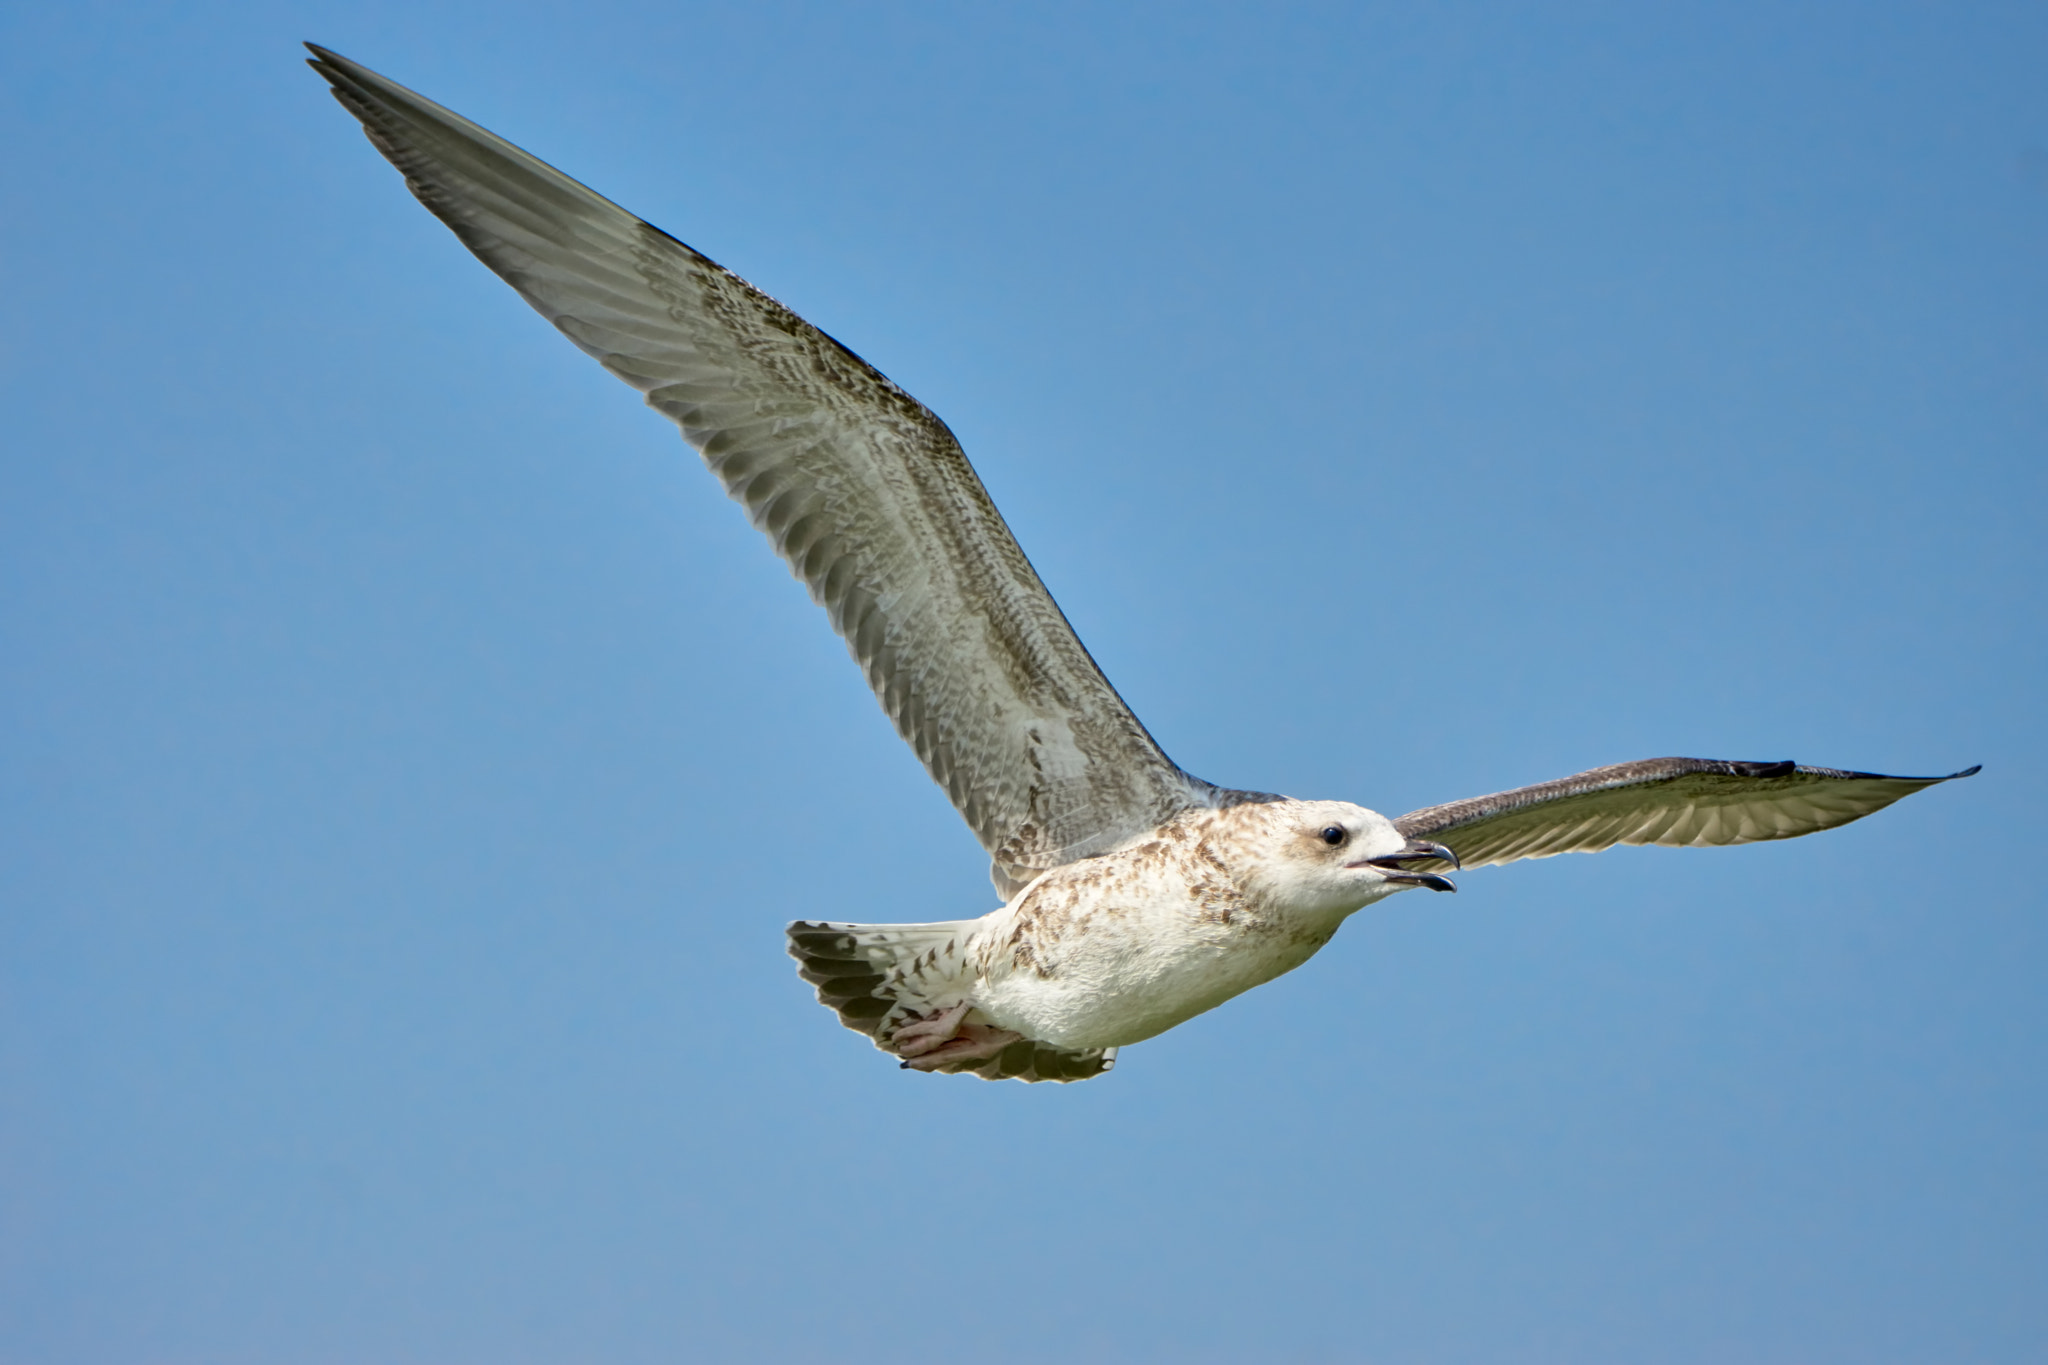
x,y
877,976
1675,802
862,490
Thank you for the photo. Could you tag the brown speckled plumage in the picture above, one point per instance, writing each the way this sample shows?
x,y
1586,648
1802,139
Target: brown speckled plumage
x,y
861,489
1137,895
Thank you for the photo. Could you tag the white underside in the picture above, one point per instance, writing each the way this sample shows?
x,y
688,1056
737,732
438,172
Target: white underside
x,y
1114,986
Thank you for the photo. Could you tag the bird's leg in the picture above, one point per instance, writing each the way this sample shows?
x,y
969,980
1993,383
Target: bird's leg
x,y
973,1043
931,1031
944,1037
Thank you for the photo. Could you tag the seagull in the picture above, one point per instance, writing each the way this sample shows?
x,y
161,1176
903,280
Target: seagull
x,y
1135,896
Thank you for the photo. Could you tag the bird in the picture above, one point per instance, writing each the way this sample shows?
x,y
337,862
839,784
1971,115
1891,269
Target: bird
x,y
1135,895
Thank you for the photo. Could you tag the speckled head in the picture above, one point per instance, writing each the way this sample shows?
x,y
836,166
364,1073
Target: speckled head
x,y
1324,857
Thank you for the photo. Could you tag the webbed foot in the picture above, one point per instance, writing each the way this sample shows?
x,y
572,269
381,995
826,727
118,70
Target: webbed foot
x,y
944,1038
933,1030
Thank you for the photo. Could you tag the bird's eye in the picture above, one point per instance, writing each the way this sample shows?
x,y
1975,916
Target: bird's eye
x,y
1334,835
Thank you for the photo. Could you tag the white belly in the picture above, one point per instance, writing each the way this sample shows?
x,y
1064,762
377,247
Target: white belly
x,y
1119,968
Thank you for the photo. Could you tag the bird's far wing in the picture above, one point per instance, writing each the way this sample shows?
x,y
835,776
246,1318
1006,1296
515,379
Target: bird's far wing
x,y
863,491
1677,802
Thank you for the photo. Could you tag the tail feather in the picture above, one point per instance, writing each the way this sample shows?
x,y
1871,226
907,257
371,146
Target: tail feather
x,y
852,966
877,976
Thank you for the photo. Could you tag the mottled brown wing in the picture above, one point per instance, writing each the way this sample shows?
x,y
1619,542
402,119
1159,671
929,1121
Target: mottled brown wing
x,y
1676,802
863,491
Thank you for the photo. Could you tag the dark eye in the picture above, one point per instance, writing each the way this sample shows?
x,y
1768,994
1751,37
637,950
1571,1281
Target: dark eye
x,y
1334,835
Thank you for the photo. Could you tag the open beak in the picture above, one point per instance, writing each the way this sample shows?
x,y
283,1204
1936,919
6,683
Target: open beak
x,y
1418,850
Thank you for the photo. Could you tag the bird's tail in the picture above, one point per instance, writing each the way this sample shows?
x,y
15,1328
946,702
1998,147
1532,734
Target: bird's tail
x,y
877,977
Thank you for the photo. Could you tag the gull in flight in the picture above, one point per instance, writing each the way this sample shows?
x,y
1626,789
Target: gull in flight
x,y
1135,896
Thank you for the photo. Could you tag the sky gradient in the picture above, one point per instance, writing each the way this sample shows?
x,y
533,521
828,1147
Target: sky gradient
x,y
408,758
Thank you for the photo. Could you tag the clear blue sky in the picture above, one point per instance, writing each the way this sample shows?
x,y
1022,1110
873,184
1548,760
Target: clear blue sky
x,y
408,758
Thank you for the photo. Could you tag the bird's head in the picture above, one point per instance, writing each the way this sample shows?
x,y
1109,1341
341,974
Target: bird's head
x,y
1332,856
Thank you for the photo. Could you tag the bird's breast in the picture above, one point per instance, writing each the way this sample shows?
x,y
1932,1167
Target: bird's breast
x,y
1116,949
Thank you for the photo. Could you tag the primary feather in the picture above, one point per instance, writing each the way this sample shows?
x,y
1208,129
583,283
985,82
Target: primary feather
x,y
1676,802
862,490
1137,895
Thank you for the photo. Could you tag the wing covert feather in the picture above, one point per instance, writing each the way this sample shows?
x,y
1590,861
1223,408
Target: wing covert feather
x,y
863,491
1675,802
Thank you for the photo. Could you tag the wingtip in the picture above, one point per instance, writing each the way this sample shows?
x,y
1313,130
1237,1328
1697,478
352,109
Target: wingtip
x,y
1970,771
328,65
335,68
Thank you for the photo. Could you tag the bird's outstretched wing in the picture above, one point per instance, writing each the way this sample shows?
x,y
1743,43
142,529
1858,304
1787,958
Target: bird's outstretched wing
x,y
1677,802
863,491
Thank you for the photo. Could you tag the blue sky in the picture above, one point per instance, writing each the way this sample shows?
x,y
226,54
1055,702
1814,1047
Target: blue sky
x,y
408,758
